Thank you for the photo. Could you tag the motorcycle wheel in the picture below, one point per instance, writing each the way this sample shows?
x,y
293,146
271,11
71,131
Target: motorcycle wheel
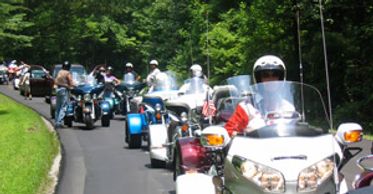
x,y
154,163
88,121
68,121
177,163
126,132
134,141
105,121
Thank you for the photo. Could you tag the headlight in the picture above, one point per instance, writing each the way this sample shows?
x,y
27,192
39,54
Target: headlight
x,y
269,179
158,107
310,178
212,140
87,97
79,98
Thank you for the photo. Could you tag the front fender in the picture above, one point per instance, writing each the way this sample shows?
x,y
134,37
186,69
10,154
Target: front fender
x,y
157,135
135,123
194,183
70,109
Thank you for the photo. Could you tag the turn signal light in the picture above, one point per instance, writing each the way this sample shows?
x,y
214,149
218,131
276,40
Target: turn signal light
x,y
214,140
158,116
353,136
185,127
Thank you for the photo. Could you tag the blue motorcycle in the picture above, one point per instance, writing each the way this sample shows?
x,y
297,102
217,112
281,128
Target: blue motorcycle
x,y
85,106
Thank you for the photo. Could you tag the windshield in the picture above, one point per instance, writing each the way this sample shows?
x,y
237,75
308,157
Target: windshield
x,y
77,69
288,109
37,74
226,97
165,81
83,79
129,78
195,85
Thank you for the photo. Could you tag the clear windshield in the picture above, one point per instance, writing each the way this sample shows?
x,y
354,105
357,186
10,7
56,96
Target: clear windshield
x,y
195,85
165,81
288,109
129,78
37,74
226,97
80,79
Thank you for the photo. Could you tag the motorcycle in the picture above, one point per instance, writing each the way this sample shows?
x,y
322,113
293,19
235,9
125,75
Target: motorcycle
x,y
129,88
185,117
85,107
113,97
286,148
3,74
363,181
225,99
151,112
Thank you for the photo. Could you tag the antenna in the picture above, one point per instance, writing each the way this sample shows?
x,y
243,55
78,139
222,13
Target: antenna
x,y
326,64
300,58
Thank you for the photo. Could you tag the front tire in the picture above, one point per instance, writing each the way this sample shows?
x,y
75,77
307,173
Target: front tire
x,y
177,165
105,121
88,121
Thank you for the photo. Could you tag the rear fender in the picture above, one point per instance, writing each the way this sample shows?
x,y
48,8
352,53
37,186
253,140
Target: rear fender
x,y
136,123
192,154
195,183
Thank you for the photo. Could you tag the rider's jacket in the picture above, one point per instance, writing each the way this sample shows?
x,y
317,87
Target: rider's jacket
x,y
150,79
244,113
247,117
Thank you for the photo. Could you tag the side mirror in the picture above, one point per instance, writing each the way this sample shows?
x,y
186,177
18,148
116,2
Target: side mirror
x,y
348,133
214,136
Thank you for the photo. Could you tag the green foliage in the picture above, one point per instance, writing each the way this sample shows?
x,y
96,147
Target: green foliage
x,y
224,36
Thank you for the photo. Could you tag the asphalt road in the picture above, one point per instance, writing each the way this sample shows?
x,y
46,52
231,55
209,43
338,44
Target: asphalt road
x,y
97,161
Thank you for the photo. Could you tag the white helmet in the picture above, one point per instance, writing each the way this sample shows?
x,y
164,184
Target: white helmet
x,y
153,62
269,63
196,70
129,65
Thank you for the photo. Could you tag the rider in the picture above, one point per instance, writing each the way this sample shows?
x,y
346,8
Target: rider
x,y
150,79
266,68
110,78
100,75
129,69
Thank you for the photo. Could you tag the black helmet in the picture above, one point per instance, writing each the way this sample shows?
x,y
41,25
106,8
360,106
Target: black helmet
x,y
66,65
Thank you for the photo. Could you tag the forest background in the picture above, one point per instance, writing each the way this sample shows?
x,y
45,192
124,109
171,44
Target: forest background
x,y
225,37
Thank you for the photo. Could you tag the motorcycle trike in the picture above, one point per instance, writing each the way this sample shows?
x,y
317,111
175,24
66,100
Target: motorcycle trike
x,y
85,106
287,146
151,112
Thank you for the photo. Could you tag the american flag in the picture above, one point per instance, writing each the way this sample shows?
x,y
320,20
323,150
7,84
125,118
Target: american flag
x,y
208,108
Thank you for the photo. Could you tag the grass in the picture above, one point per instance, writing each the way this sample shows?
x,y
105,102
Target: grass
x,y
27,149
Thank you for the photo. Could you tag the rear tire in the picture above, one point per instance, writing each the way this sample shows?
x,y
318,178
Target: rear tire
x,y
134,141
177,162
156,163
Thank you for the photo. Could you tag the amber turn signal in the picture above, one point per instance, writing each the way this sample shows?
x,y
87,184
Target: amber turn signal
x,y
353,136
214,140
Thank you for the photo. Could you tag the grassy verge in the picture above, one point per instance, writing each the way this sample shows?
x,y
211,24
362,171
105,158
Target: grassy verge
x,y
27,149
